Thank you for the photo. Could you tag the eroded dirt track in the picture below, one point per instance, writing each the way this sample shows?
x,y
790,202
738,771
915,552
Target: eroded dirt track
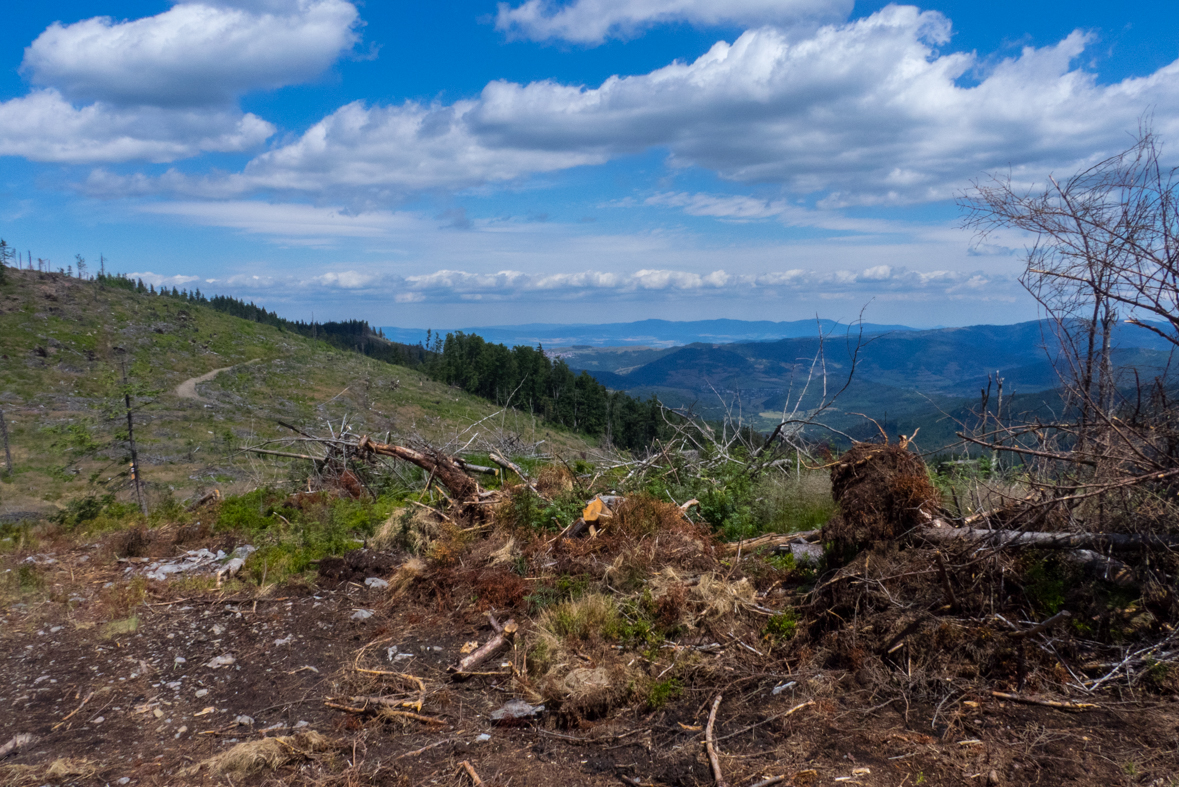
x,y
137,692
188,388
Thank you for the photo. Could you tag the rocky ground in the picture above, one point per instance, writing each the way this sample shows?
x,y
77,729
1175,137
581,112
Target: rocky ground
x,y
124,680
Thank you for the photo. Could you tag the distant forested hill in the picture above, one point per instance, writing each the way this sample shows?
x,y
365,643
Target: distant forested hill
x,y
909,378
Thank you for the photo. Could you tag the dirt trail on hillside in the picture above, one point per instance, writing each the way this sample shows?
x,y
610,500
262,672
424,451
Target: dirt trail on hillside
x,y
187,389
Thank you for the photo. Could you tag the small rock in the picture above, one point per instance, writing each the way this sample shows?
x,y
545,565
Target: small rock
x,y
180,731
516,709
221,661
993,777
98,720
484,738
376,582
202,693
124,780
180,660
244,721
362,614
243,552
301,723
584,679
231,568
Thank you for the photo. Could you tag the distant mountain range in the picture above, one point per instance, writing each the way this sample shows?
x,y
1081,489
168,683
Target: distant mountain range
x,y
645,333
905,378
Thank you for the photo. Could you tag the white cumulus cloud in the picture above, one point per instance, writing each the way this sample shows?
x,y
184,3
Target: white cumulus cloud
x,y
165,87
194,54
593,21
869,111
43,126
453,286
406,148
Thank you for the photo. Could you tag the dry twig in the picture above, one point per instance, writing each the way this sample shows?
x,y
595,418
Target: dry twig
x,y
73,712
1046,703
710,745
465,765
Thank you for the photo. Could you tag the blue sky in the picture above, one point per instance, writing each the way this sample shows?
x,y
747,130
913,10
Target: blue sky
x,y
474,163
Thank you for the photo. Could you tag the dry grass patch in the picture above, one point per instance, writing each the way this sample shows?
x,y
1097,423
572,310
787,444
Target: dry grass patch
x,y
273,753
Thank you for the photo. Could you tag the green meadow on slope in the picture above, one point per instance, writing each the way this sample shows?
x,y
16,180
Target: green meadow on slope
x,y
65,343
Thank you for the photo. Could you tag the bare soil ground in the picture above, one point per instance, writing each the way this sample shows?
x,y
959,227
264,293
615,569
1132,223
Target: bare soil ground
x,y
115,679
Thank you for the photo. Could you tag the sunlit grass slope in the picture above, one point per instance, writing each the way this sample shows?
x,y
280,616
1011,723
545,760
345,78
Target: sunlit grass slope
x,y
64,344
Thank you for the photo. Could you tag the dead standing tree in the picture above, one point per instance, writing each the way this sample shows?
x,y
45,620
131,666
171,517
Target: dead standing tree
x,y
1106,248
136,477
7,450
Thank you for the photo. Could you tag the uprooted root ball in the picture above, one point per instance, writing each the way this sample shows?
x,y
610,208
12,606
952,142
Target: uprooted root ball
x,y
882,492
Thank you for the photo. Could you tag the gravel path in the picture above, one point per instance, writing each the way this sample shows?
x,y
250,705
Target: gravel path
x,y
187,389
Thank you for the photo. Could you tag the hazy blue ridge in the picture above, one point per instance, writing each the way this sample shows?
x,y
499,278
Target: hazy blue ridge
x,y
646,333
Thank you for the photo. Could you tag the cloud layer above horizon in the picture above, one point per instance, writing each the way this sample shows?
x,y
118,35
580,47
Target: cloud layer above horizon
x,y
805,120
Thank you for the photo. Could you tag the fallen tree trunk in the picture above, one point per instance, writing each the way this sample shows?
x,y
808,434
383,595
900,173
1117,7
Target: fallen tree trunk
x,y
1017,538
470,468
440,466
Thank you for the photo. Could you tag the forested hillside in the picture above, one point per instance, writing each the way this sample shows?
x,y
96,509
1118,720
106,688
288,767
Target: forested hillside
x,y
523,377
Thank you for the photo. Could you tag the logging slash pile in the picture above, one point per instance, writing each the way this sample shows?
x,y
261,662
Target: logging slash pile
x,y
595,610
913,605
593,617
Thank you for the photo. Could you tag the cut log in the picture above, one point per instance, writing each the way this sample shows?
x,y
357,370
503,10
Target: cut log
x,y
208,497
504,636
772,540
597,512
471,468
1103,567
1017,538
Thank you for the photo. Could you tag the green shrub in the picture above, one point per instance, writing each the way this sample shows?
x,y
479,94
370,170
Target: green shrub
x,y
526,510
564,588
663,692
1045,582
781,627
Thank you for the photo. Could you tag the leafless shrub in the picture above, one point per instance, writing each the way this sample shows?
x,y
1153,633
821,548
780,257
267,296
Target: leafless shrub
x,y
1105,250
